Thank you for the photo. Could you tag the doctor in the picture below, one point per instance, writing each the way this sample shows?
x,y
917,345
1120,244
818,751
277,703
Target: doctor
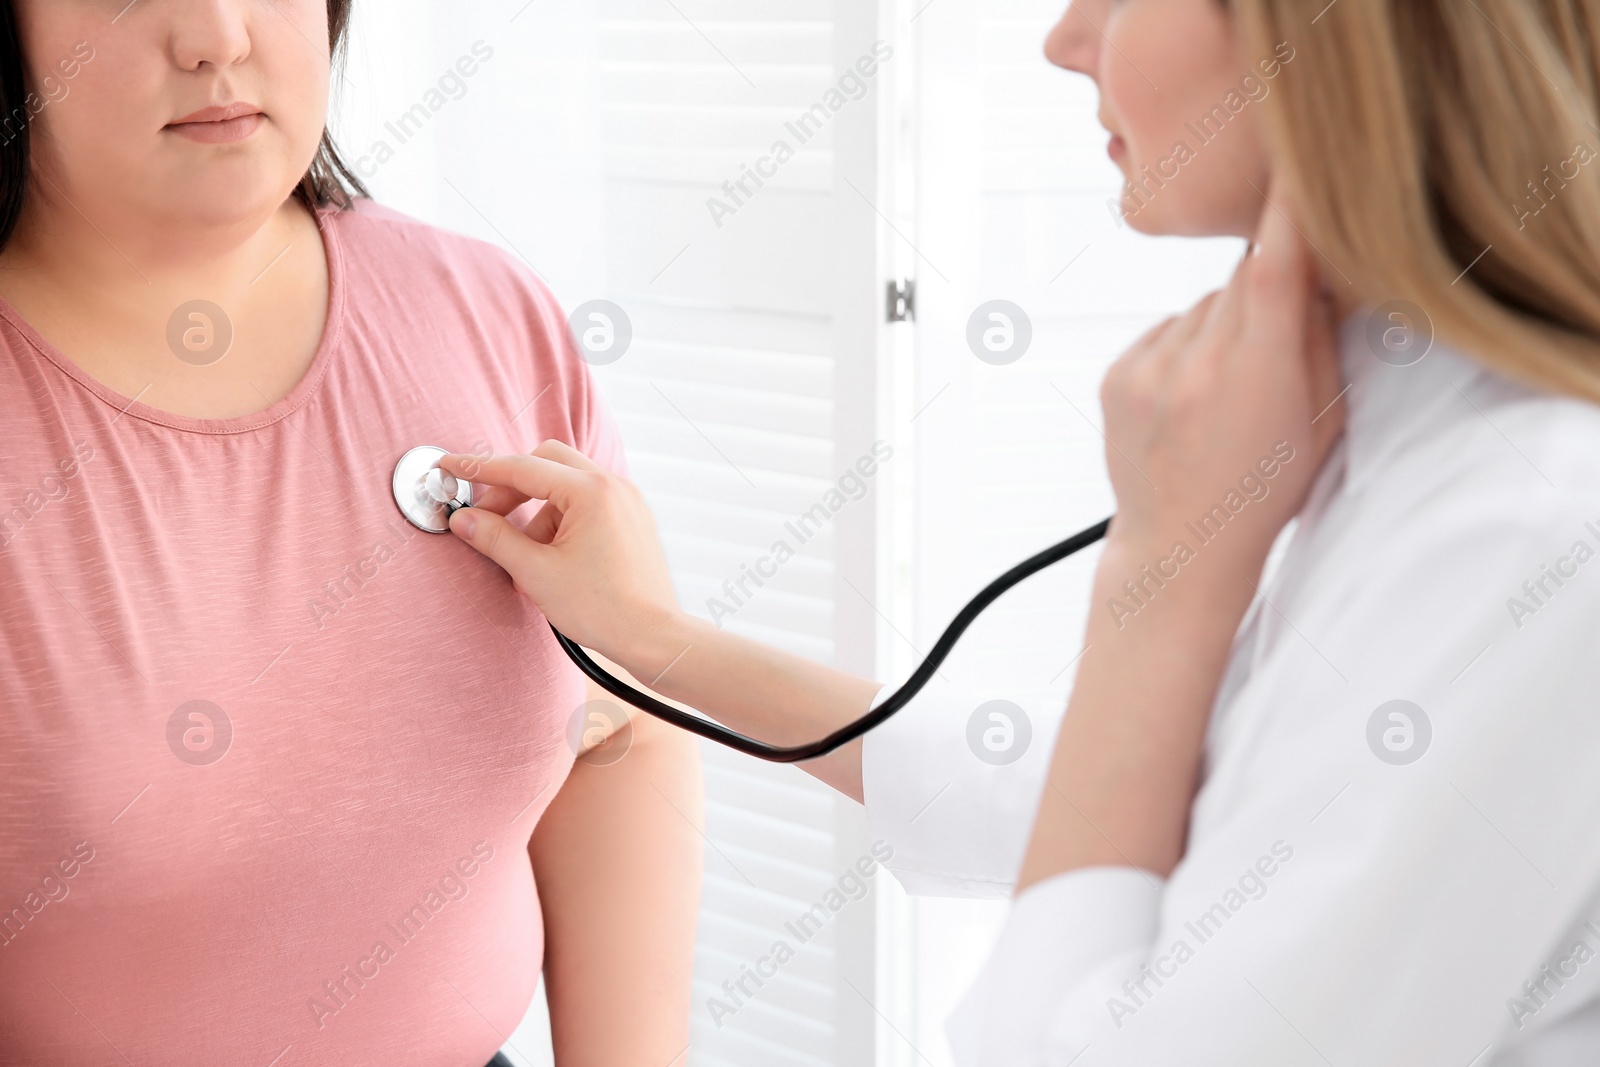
x,y
1325,791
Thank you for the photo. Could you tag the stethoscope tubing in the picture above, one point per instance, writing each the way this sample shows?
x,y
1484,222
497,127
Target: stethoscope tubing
x,y
902,696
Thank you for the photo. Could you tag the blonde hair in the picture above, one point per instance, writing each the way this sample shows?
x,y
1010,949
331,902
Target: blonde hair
x,y
1416,134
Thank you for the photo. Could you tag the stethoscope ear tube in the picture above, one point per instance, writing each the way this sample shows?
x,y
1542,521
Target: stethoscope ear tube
x,y
843,736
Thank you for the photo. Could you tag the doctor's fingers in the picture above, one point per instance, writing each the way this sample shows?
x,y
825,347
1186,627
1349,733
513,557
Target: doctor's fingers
x,y
1289,312
561,452
498,499
1326,373
514,480
502,501
1138,381
543,526
1265,298
1281,284
1200,323
495,537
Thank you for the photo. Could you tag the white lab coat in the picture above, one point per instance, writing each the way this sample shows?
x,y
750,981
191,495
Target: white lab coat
x,y
1335,905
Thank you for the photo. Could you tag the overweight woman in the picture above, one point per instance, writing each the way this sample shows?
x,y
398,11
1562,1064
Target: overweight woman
x,y
1325,791
283,780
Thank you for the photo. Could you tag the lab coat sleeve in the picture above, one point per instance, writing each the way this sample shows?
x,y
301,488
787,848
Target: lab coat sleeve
x,y
1065,938
957,824
1344,907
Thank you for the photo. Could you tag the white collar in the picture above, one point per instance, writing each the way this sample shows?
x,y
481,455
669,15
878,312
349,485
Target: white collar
x,y
1388,407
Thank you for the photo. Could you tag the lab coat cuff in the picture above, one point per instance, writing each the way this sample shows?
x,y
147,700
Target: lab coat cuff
x,y
1059,934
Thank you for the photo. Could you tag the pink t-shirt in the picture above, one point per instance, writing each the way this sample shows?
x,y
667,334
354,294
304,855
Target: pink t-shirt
x,y
349,882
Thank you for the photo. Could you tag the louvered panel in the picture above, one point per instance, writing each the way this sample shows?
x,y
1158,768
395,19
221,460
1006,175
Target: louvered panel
x,y
789,1019
728,952
795,1001
736,410
727,402
797,602
739,1050
802,983
788,1016
780,85
589,147
785,460
744,785
710,476
811,171
774,852
780,476
663,160
794,599
803,612
708,130
665,361
724,10
794,623
762,259
756,832
694,41
735,526
699,321
706,551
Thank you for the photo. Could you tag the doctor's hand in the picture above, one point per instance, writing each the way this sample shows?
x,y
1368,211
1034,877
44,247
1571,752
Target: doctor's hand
x,y
1217,424
1232,405
590,558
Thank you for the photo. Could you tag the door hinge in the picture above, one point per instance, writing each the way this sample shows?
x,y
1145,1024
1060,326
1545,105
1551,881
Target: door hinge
x,y
903,300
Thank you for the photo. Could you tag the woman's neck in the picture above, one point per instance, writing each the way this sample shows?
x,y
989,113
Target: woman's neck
x,y
96,252
113,296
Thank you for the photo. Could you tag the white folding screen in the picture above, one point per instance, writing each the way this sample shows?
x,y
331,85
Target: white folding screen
x,y
709,167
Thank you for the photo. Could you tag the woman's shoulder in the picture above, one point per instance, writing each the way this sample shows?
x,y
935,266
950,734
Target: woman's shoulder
x,y
413,276
477,315
1471,442
1459,488
394,247
1555,437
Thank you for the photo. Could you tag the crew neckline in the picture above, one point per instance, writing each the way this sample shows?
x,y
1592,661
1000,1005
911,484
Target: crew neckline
x,y
304,390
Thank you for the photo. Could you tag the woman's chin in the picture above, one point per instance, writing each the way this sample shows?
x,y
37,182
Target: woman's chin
x,y
1149,220
1157,219
204,207
1139,221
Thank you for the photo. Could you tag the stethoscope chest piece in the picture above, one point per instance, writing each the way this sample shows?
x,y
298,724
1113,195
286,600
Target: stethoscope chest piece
x,y
428,496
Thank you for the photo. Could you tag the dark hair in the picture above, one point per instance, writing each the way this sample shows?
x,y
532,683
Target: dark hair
x,y
329,181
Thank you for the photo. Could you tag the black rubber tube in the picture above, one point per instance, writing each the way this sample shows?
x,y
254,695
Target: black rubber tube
x,y
846,734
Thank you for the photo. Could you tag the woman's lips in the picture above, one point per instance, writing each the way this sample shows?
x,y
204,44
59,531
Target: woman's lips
x,y
219,125
1116,148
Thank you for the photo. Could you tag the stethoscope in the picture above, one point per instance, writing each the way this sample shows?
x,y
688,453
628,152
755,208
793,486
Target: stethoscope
x,y
428,496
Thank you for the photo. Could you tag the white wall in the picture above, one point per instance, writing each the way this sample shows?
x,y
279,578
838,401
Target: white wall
x,y
1011,184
